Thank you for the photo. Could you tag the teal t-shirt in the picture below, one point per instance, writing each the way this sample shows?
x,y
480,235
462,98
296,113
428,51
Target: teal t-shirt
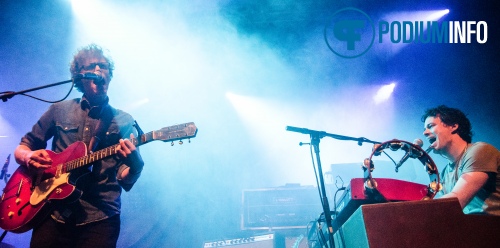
x,y
479,157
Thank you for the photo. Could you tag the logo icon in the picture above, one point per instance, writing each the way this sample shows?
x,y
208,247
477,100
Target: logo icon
x,y
350,33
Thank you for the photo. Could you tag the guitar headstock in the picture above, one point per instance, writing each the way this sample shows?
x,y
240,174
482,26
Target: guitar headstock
x,y
176,132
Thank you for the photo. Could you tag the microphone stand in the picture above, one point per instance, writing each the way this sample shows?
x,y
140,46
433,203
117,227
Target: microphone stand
x,y
7,95
315,139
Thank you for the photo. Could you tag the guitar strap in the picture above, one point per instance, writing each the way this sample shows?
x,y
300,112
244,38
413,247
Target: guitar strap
x,y
106,115
138,128
102,127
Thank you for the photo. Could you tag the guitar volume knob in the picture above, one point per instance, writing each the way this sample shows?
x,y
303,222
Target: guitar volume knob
x,y
10,214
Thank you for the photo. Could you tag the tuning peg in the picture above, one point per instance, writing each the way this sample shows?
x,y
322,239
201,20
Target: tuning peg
x,y
189,140
172,144
181,142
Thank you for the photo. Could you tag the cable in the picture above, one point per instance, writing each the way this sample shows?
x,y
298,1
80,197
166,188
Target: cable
x,y
315,173
4,97
390,158
39,99
341,233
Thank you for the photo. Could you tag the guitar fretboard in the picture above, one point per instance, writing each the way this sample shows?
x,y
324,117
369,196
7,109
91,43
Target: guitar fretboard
x,y
103,153
91,158
172,133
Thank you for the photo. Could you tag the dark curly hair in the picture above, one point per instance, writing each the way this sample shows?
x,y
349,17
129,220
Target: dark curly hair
x,y
89,51
452,116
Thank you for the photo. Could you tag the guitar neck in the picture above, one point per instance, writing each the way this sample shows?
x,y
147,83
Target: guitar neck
x,y
172,133
104,153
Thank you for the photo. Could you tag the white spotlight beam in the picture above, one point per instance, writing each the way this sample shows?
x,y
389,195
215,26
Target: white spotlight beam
x,y
408,16
384,93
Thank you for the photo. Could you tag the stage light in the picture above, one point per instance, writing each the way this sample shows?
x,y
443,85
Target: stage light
x,y
384,93
434,16
86,8
248,108
405,27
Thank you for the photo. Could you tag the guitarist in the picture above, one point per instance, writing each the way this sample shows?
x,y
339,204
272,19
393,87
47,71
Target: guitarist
x,y
93,220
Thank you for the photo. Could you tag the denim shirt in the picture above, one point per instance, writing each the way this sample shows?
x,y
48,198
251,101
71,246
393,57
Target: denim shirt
x,y
74,120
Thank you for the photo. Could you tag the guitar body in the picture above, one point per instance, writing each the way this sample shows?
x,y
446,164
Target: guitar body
x,y
28,196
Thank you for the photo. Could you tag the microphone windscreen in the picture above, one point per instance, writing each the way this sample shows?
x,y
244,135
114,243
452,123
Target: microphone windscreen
x,y
418,142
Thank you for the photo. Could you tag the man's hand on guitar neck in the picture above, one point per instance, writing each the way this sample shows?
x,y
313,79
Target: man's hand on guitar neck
x,y
132,158
38,159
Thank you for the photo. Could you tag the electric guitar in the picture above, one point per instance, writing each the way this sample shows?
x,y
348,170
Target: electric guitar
x,y
28,196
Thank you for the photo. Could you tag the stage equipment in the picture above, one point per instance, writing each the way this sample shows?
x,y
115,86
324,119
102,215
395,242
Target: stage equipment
x,y
378,190
270,240
369,190
279,208
315,137
415,224
356,194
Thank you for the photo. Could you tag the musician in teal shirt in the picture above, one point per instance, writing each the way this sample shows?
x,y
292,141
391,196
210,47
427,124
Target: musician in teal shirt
x,y
93,220
473,172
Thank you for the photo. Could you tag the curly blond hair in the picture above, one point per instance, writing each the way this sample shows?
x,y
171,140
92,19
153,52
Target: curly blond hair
x,y
89,51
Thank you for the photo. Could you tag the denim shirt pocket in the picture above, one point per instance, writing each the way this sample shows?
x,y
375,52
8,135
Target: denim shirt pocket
x,y
112,137
67,134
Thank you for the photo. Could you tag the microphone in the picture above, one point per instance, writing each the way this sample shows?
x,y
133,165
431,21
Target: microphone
x,y
418,142
89,75
410,152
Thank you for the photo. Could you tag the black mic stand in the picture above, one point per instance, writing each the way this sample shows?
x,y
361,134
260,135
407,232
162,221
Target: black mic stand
x,y
315,139
9,94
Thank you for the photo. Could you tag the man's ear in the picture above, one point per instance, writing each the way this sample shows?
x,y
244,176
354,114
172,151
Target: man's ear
x,y
455,128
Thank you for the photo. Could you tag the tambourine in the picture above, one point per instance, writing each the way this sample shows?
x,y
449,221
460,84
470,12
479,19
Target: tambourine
x,y
412,151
